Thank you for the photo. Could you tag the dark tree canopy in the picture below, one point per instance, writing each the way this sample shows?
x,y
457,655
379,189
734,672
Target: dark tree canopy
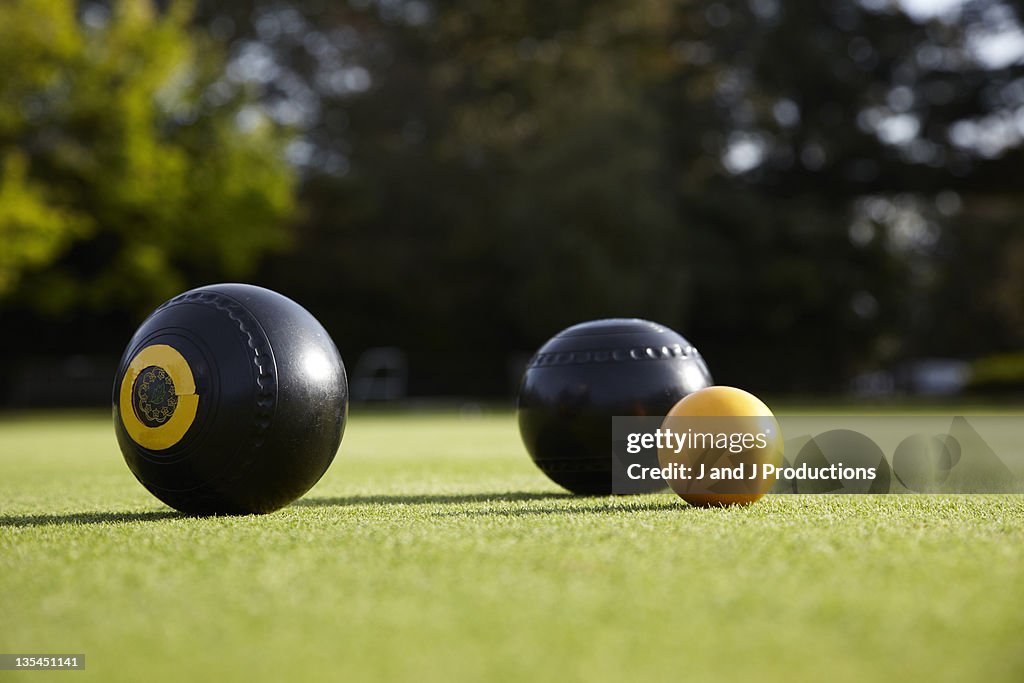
x,y
806,190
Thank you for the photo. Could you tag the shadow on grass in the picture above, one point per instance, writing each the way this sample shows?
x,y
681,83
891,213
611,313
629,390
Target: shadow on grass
x,y
592,506
430,499
83,518
584,505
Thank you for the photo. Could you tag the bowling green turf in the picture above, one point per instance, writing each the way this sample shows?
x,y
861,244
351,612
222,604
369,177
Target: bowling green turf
x,y
434,551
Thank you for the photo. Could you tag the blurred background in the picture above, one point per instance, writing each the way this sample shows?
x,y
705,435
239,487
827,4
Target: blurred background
x,y
825,197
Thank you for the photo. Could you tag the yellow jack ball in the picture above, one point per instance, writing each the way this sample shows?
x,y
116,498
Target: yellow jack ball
x,y
730,431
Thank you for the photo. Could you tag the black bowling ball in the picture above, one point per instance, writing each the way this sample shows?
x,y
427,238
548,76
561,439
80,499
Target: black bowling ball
x,y
589,373
230,399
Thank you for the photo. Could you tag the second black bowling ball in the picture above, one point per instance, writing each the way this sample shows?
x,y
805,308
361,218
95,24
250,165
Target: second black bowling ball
x,y
589,373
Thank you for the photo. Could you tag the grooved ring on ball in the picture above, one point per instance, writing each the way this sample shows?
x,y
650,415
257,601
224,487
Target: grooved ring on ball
x,y
179,375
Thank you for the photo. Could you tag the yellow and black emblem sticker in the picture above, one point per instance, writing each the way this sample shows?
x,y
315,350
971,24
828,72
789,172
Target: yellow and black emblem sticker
x,y
158,399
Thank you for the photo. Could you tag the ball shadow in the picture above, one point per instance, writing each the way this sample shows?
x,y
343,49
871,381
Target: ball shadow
x,y
86,518
590,505
598,505
429,499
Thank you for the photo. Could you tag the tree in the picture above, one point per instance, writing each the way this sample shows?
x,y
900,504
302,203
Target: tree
x,y
133,164
832,181
774,179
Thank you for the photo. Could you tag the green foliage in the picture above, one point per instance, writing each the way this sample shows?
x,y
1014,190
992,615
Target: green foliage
x,y
824,181
109,131
32,230
1004,370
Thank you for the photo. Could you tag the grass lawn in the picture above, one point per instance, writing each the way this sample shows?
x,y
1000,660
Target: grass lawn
x,y
433,550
